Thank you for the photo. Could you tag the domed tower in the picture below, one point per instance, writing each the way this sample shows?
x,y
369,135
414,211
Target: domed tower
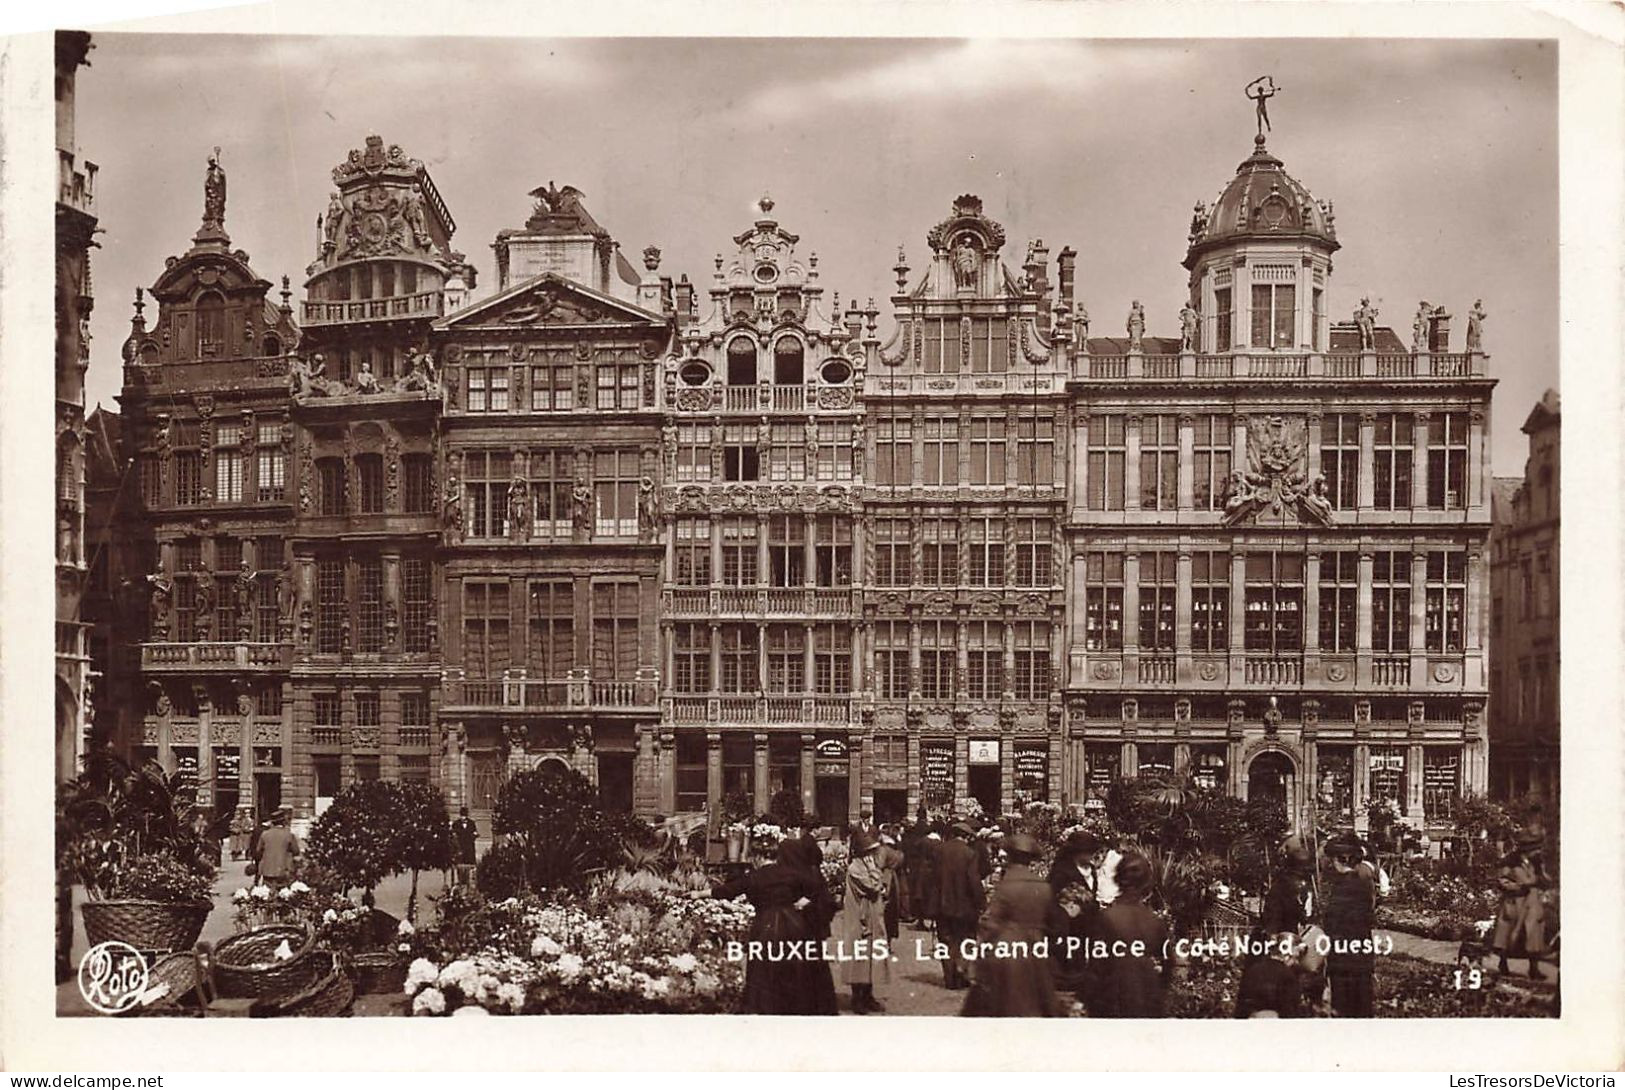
x,y
1259,260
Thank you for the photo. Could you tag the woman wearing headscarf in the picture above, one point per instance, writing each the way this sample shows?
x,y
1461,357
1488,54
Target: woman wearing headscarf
x,y
1520,929
1129,981
779,891
861,926
819,981
1013,981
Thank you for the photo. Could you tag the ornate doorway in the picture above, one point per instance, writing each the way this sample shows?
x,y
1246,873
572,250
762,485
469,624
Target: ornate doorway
x,y
1273,777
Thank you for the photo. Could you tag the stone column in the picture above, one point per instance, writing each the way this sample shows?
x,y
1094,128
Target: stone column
x,y
713,770
1183,614
961,765
1007,769
806,658
1238,617
759,787
1238,441
1077,638
1129,765
1315,439
1131,462
716,656
667,762
1419,462
809,782
1368,459
1080,466
1311,602
1007,660
1131,601
391,563
1419,655
914,798
857,799
1187,456
1477,462
809,552
1362,618
1413,785
205,742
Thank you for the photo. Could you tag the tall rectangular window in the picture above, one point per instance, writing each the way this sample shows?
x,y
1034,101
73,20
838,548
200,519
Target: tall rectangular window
x,y
1446,607
787,456
332,605
619,386
615,490
892,552
552,629
1390,602
1159,462
369,472
486,617
1274,602
1317,311
151,480
417,484
832,659
497,384
1159,582
836,450
327,722
984,659
1392,450
188,562
891,660
939,553
786,658
228,555
1032,681
787,550
416,604
1107,451
228,463
1275,316
1035,450
1213,442
1340,459
1221,320
553,383
741,667
986,549
894,451
937,659
188,477
268,561
940,464
832,551
940,350
1210,601
1103,601
691,658
740,453
615,630
1035,549
739,556
330,474
1339,590
1441,781
369,581
1447,461
693,452
1387,775
987,441
366,709
691,548
552,478
476,399
486,477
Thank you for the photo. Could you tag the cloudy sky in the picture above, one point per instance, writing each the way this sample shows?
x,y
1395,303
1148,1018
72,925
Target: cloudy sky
x,y
1439,156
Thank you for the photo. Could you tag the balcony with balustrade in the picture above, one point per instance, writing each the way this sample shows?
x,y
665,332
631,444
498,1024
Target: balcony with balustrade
x,y
767,603
1244,363
515,694
422,304
806,710
1261,671
215,657
766,397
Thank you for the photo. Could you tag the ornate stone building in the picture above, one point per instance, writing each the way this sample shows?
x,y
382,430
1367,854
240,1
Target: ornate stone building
x,y
1278,528
966,461
1525,729
366,405
75,235
761,506
549,564
201,566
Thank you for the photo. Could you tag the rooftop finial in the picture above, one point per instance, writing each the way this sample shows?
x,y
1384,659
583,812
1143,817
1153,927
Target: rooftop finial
x,y
1261,90
765,204
140,303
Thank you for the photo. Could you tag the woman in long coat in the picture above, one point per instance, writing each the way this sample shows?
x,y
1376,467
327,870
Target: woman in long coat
x,y
861,926
1130,986
1014,982
1520,930
1072,883
779,891
819,912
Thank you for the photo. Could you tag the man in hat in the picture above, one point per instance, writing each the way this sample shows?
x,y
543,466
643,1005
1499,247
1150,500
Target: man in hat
x,y
1350,906
276,851
1014,981
464,834
1520,928
861,925
960,900
1073,882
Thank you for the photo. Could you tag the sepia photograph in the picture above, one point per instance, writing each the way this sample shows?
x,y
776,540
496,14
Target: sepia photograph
x,y
1049,527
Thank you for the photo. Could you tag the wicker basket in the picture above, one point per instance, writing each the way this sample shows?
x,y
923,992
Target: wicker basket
x,y
245,966
149,926
180,972
378,972
330,996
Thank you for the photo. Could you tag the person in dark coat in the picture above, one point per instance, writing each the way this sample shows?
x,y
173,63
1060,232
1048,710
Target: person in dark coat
x,y
891,861
1129,980
464,833
1072,884
929,896
1269,986
912,839
1015,981
1350,906
960,900
779,891
1520,928
1287,904
818,913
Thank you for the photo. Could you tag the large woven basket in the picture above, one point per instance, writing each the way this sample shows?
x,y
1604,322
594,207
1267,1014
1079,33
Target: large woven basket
x,y
149,926
179,973
330,996
245,965
378,972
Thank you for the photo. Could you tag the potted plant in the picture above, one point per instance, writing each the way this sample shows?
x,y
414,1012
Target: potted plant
x,y
736,814
126,834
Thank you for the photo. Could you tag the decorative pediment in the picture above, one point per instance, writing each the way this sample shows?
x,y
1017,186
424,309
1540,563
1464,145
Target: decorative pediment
x,y
546,301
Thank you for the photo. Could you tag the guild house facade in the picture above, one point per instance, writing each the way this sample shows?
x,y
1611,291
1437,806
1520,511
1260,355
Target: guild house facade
x,y
722,543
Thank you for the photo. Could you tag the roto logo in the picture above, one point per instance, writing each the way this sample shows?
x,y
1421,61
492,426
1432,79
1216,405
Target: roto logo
x,y
112,976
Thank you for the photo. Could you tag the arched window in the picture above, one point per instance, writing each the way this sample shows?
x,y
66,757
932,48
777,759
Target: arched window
x,y
211,324
272,346
741,362
787,362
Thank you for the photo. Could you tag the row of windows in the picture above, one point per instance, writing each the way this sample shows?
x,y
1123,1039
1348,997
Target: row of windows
x,y
963,657
349,604
224,620
366,478
988,450
1274,317
964,553
1273,597
774,658
213,330
491,616
785,451
617,383
239,476
491,503
796,555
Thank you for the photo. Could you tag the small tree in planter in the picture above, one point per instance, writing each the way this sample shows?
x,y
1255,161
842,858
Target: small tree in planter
x,y
558,835
358,836
423,835
785,809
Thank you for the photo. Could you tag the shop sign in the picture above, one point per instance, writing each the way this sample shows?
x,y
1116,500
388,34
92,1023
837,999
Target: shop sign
x,y
983,752
831,749
1032,763
1393,762
937,771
